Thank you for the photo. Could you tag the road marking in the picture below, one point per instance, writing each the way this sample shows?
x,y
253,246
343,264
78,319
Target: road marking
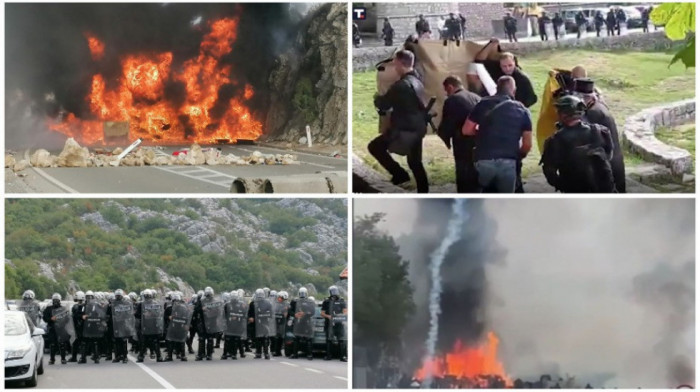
x,y
48,177
314,370
54,181
341,378
289,364
223,183
152,373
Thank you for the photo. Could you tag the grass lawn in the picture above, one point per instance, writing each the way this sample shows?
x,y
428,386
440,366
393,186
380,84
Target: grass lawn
x,y
630,81
681,137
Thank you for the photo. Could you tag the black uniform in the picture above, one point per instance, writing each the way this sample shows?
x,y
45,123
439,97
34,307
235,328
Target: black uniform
x,y
598,113
463,25
77,312
422,26
300,343
645,20
453,28
580,23
576,159
542,22
54,341
610,22
455,111
204,340
120,344
510,25
262,344
557,22
408,115
620,18
356,40
281,321
599,22
337,305
193,328
150,341
388,34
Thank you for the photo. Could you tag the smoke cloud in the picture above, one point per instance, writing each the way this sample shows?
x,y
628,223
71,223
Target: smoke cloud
x,y
46,51
602,290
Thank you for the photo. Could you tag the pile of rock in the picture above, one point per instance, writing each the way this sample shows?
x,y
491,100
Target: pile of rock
x,y
74,155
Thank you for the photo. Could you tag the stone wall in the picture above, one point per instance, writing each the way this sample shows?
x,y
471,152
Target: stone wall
x,y
364,59
403,16
479,18
639,129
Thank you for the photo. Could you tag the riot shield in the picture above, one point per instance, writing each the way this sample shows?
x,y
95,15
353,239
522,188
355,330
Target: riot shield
x,y
94,325
213,310
123,320
280,320
31,308
63,324
179,326
339,320
152,318
303,319
236,319
549,29
264,318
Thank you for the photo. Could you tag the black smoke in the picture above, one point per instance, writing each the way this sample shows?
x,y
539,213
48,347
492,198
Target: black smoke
x,y
464,284
46,50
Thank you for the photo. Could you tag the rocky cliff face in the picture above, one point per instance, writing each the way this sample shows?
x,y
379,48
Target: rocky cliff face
x,y
309,82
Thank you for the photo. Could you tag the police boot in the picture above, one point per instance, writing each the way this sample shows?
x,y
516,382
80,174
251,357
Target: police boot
x,y
266,348
169,351
183,354
295,349
52,358
328,350
74,351
309,349
159,358
343,353
190,350
96,354
258,348
218,341
210,348
224,355
200,350
240,349
142,353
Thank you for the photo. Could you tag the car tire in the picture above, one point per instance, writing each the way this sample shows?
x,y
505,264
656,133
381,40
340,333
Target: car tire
x,y
41,367
32,381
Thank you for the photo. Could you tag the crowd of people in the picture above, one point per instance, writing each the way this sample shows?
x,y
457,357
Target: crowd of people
x,y
490,132
613,22
104,324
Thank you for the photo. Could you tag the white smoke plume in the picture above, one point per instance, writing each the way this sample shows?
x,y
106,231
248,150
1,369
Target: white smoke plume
x,y
436,259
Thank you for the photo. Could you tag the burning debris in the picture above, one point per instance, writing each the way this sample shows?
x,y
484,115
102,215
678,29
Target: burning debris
x,y
75,155
213,106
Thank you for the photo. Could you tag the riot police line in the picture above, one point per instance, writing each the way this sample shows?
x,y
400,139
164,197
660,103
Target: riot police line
x,y
103,325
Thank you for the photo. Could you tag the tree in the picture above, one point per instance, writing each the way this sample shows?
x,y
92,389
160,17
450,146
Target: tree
x,y
678,20
383,295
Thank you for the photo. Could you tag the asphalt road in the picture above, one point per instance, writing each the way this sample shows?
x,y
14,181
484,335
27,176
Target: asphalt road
x,y
278,372
165,179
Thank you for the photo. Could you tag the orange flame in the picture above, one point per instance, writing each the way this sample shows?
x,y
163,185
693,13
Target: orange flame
x,y
138,97
467,362
97,48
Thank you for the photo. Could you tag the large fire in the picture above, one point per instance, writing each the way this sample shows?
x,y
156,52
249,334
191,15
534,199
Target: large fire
x,y
474,365
138,96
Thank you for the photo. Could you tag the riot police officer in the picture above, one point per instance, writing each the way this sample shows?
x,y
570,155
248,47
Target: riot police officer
x,y
335,310
260,314
57,339
576,159
77,312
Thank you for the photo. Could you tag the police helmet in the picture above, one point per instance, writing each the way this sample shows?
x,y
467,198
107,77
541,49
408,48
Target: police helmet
x,y
333,291
79,296
570,104
303,293
209,292
259,294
